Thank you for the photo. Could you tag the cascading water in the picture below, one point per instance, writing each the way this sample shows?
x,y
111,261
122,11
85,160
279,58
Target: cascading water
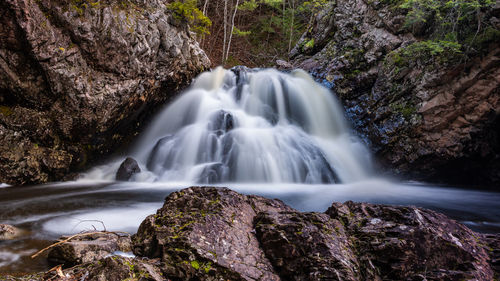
x,y
245,125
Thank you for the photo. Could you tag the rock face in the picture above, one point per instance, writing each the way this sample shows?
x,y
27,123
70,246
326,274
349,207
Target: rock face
x,y
218,234
77,77
428,107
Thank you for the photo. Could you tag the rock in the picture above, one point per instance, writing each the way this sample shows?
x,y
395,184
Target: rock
x,y
221,122
351,241
430,117
127,169
78,78
207,229
88,248
8,232
409,243
120,268
283,64
307,246
207,233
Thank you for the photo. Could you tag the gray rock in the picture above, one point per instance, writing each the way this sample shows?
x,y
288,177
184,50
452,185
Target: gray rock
x,y
127,169
88,248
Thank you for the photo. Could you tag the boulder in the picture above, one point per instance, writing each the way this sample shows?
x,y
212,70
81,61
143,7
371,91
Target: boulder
x,y
127,169
208,229
88,248
307,246
409,243
77,78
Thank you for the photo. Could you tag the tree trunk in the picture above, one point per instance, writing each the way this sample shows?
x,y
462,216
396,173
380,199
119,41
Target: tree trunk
x,y
232,28
225,33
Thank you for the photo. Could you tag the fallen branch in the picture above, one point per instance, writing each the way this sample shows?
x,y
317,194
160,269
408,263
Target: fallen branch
x,y
74,236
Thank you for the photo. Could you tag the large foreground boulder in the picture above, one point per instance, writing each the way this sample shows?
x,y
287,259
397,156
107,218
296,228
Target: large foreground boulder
x,y
422,89
218,234
78,77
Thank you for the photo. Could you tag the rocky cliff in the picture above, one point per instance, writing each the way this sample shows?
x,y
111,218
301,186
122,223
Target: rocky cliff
x,y
419,79
79,77
218,234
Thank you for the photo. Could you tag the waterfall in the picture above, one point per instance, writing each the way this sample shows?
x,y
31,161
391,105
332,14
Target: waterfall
x,y
249,125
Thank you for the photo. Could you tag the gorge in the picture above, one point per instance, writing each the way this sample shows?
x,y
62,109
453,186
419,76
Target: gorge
x,y
103,123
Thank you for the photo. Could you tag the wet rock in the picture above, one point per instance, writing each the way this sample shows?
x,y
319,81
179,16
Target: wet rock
x,y
307,246
207,233
212,173
283,64
88,248
78,78
127,169
8,232
428,117
492,243
120,268
409,243
208,228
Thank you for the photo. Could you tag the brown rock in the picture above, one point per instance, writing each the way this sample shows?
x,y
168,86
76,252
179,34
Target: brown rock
x,y
211,228
400,108
307,246
77,78
409,243
218,234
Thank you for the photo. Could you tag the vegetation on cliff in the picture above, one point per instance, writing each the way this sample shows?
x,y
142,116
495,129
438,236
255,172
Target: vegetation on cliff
x,y
417,78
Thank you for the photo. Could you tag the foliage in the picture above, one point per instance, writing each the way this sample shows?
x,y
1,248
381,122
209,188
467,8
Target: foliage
x,y
440,18
263,30
309,44
248,6
313,6
454,29
188,11
238,32
425,52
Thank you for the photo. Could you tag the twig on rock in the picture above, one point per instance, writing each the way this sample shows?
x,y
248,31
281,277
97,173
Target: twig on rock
x,y
74,236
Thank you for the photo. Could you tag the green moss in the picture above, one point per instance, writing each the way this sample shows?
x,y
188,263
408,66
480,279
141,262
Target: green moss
x,y
309,44
6,111
187,11
195,265
424,53
407,110
130,265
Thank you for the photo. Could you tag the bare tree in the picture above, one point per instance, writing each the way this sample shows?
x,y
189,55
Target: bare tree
x,y
225,33
232,28
292,7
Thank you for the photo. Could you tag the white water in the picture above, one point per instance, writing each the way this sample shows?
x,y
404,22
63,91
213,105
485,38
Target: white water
x,y
258,126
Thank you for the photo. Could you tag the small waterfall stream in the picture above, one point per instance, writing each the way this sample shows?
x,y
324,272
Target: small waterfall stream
x,y
247,125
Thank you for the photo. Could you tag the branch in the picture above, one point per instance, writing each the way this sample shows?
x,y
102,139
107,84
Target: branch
x,y
71,237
